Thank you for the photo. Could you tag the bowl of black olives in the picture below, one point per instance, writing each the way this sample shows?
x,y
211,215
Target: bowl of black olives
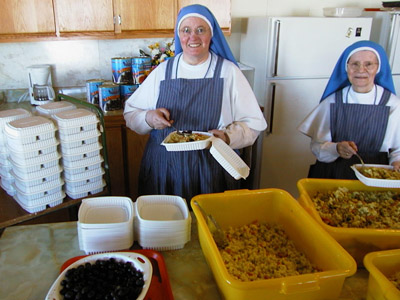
x,y
113,275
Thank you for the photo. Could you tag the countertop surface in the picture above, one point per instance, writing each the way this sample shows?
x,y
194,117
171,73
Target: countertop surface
x,y
31,257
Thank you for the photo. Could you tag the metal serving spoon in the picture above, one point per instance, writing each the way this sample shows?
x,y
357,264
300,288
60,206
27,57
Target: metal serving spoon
x,y
362,161
182,132
215,229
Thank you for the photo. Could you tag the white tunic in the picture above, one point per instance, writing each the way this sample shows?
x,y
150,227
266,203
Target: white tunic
x,y
241,116
317,125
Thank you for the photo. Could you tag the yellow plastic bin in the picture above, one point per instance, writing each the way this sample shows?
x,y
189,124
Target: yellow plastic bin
x,y
240,207
357,241
381,265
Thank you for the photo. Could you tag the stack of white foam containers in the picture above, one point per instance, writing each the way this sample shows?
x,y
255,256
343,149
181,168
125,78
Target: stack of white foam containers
x,y
7,179
35,163
80,147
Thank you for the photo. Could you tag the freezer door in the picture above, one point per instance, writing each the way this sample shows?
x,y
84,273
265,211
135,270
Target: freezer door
x,y
310,47
286,154
394,45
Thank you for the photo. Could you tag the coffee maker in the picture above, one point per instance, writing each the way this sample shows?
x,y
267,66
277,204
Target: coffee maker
x,y
40,84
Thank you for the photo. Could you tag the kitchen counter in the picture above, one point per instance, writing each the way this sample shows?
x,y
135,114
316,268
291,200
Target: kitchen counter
x,y
31,257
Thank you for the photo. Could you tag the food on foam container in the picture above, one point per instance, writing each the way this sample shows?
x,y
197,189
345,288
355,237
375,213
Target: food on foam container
x,y
176,137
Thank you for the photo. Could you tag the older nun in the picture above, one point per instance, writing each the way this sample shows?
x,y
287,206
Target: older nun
x,y
358,113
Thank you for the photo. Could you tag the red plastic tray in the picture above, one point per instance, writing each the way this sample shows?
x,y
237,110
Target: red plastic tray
x,y
160,288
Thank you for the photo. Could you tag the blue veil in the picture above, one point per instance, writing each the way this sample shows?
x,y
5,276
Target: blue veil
x,y
218,42
339,79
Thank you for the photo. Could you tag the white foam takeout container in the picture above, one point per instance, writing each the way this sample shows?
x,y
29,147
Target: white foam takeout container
x,y
188,146
224,154
139,261
386,183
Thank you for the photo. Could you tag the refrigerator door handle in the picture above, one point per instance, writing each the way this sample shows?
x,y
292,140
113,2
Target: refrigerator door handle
x,y
277,30
270,109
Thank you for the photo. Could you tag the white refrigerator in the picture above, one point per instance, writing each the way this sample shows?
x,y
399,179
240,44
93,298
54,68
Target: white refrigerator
x,y
293,58
386,32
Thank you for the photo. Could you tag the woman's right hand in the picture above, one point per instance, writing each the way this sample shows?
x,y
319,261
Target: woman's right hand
x,y
158,118
346,149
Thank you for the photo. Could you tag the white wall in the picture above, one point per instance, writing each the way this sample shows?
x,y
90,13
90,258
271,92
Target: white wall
x,y
74,62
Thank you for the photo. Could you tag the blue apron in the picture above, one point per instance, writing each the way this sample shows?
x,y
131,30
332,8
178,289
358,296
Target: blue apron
x,y
365,125
194,104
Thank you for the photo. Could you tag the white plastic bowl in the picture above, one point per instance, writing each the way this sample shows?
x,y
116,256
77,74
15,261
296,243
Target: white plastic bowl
x,y
139,261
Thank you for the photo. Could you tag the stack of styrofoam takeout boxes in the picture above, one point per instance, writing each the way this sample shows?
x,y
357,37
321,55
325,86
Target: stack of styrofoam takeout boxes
x,y
105,224
34,157
162,222
80,148
7,179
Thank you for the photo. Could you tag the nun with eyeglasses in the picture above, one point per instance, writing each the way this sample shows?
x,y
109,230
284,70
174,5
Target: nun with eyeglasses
x,y
359,113
200,89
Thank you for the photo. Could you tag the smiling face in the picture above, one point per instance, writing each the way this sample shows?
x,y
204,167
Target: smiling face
x,y
195,38
361,70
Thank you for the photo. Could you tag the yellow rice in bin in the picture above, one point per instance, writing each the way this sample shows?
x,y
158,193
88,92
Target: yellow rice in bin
x,y
263,251
361,218
244,208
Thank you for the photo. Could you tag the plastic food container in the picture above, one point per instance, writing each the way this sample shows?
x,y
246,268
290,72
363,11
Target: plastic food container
x,y
75,121
162,222
139,261
387,183
228,159
357,241
105,224
381,265
30,129
241,207
343,12
76,192
188,146
40,204
52,108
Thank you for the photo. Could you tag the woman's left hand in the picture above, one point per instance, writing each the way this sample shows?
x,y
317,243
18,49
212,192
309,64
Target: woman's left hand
x,y
220,134
396,165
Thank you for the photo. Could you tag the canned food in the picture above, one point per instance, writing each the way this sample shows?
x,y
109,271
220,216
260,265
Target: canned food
x,y
141,67
127,90
122,70
92,90
110,98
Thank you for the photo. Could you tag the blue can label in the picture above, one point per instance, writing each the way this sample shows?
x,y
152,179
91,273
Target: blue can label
x,y
92,90
141,67
122,70
110,98
127,90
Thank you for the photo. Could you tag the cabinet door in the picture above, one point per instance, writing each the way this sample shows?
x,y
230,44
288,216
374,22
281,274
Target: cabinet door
x,y
146,15
84,15
26,16
221,10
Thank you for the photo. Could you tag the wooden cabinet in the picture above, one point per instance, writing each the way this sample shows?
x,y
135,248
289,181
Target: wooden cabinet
x,y
84,15
149,15
221,9
125,149
27,17
33,20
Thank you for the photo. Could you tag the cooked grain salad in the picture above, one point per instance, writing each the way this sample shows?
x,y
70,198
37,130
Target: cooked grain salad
x,y
359,209
263,251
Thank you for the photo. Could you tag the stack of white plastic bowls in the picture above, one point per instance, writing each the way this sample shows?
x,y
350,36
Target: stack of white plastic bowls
x,y
7,179
51,108
162,222
80,148
105,224
35,164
